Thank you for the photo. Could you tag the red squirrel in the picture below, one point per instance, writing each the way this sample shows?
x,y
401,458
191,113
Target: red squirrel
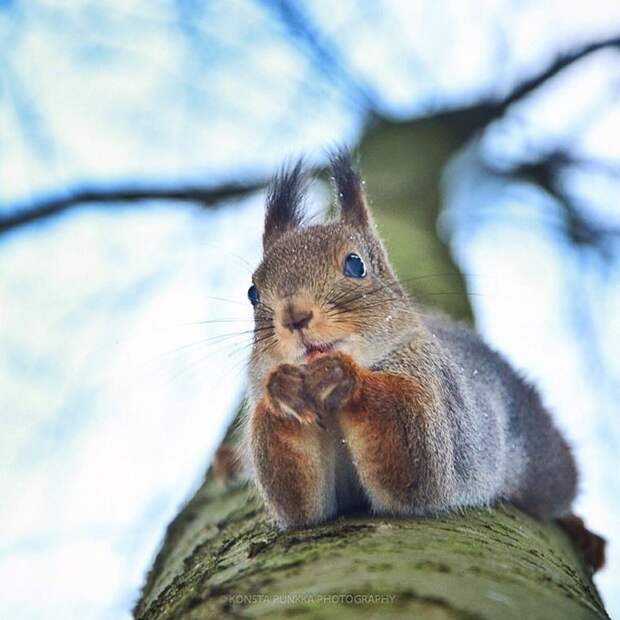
x,y
361,400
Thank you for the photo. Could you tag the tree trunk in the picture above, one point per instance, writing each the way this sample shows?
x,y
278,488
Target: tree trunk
x,y
223,559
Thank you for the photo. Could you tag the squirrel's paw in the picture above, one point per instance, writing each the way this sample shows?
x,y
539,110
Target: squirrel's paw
x,y
285,388
330,381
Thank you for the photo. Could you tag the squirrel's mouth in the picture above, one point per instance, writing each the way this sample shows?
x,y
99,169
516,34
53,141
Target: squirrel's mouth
x,y
317,349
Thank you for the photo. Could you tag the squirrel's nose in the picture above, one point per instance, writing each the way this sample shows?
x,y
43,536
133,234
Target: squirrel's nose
x,y
296,318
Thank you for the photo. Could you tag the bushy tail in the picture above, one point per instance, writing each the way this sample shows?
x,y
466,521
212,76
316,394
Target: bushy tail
x,y
591,545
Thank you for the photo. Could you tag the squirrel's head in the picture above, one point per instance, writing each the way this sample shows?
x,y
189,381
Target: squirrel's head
x,y
326,287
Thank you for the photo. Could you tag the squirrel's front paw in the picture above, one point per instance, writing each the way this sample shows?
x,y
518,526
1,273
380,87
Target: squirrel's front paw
x,y
285,388
330,381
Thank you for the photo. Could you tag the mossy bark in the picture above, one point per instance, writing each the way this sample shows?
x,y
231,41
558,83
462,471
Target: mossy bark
x,y
222,558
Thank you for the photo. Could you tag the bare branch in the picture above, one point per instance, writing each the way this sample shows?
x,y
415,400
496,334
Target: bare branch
x,y
323,53
546,173
204,196
563,61
469,120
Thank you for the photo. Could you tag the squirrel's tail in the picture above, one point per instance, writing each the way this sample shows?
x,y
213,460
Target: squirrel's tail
x,y
591,545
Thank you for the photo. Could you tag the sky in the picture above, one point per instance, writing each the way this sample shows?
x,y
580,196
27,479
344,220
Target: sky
x,y
114,390
112,403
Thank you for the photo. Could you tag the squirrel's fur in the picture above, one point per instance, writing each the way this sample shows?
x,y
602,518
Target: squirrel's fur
x,y
360,399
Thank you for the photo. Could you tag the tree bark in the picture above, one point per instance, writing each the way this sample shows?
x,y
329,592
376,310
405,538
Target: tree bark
x,y
223,559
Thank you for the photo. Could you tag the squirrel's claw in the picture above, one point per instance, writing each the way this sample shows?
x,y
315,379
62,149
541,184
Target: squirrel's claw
x,y
329,382
285,388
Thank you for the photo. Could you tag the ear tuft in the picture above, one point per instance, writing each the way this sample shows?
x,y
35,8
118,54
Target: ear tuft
x,y
284,203
351,194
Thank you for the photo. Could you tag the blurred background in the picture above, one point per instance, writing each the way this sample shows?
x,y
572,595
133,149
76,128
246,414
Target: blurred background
x,y
135,141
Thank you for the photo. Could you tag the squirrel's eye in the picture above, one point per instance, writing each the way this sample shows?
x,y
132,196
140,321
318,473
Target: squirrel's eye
x,y
354,266
253,295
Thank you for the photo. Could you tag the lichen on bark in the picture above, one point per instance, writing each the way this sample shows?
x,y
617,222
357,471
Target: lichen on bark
x,y
222,558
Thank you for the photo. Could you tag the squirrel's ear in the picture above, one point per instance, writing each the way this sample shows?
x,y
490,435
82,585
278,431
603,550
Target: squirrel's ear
x,y
350,188
284,203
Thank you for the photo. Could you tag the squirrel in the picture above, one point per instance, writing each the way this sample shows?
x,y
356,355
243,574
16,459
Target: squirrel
x,y
362,400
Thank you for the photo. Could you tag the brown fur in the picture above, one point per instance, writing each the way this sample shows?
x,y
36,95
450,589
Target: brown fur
x,y
377,426
591,545
292,464
225,466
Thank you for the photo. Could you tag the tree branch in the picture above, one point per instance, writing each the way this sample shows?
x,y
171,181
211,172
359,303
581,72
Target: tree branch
x,y
546,173
204,196
324,53
468,121
563,61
